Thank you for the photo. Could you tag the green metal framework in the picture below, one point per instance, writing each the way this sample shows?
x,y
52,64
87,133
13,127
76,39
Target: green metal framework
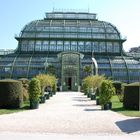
x,y
72,35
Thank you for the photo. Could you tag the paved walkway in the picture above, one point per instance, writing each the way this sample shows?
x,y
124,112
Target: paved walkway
x,y
69,113
34,136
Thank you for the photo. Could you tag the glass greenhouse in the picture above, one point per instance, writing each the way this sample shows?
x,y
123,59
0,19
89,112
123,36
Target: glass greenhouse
x,y
65,43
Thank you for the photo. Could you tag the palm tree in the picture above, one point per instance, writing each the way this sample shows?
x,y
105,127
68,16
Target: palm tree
x,y
51,70
88,70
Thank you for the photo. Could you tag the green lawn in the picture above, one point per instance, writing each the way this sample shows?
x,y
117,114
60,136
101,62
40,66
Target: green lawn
x,y
117,106
9,111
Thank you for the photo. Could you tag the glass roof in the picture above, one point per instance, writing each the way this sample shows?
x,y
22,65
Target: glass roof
x,y
93,28
70,15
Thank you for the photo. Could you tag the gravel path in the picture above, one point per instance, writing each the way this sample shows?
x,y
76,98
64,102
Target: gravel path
x,y
70,113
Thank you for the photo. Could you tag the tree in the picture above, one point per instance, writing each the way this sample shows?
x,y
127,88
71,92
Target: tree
x,y
135,50
87,69
51,70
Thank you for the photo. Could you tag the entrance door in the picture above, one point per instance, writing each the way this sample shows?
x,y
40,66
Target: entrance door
x,y
70,71
69,83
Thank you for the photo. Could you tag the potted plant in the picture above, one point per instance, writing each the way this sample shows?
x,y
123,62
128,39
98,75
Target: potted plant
x,y
50,91
87,86
89,92
92,94
91,83
107,90
54,85
97,96
42,78
46,94
34,93
42,98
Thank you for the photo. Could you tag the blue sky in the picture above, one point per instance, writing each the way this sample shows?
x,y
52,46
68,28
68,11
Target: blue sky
x,y
15,14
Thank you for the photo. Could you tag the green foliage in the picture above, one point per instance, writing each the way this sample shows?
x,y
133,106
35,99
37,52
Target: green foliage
x,y
43,81
97,92
34,90
106,92
121,93
92,82
54,86
51,70
25,85
87,69
47,80
119,87
11,94
121,97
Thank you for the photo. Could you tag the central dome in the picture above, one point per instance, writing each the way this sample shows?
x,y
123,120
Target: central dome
x,y
71,26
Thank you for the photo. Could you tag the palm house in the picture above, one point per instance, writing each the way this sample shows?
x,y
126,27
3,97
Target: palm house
x,y
66,43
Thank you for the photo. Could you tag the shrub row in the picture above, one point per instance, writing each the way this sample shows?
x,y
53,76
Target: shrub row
x,y
11,94
91,83
131,96
104,89
38,87
47,81
99,86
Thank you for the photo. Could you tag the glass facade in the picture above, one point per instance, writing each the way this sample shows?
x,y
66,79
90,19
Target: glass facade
x,y
41,41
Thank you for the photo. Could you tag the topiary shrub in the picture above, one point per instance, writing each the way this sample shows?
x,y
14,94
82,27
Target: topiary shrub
x,y
131,96
11,94
118,86
34,93
107,90
25,85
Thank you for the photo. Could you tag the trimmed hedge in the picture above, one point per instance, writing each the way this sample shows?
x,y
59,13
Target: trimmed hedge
x,y
131,97
11,94
25,85
118,86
